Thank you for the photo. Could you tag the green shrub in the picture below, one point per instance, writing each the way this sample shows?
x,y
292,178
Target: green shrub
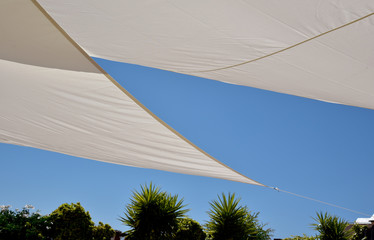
x,y
189,229
22,224
102,232
359,232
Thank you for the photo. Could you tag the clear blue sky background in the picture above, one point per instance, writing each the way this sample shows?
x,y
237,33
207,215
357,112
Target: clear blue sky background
x,y
317,149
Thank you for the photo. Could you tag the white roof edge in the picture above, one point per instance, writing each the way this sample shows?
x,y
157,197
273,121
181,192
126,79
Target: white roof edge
x,y
365,220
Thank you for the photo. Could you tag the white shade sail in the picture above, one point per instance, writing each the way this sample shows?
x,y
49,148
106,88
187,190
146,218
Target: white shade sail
x,y
316,49
54,97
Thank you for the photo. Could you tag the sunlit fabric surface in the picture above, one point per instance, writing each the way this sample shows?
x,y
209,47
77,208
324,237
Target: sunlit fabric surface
x,y
53,97
316,49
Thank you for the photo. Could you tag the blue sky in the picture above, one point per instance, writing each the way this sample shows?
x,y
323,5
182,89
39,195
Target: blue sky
x,y
321,150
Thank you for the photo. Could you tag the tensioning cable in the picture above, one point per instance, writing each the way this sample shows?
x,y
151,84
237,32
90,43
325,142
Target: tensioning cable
x,y
319,201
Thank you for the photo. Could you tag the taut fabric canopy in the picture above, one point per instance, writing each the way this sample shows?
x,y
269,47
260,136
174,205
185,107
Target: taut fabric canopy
x,y
54,97
315,49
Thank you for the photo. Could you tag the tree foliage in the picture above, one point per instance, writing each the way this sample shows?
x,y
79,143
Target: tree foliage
x,y
102,232
231,221
189,229
22,224
331,227
71,222
360,232
153,214
304,237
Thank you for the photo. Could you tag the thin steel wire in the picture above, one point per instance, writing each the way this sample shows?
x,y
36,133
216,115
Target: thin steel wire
x,y
319,201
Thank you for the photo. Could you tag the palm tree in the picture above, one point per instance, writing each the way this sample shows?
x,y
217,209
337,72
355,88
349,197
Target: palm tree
x,y
153,214
331,227
230,221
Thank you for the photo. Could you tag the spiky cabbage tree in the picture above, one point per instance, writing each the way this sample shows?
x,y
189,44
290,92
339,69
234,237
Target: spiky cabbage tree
x,y
331,227
153,214
231,221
